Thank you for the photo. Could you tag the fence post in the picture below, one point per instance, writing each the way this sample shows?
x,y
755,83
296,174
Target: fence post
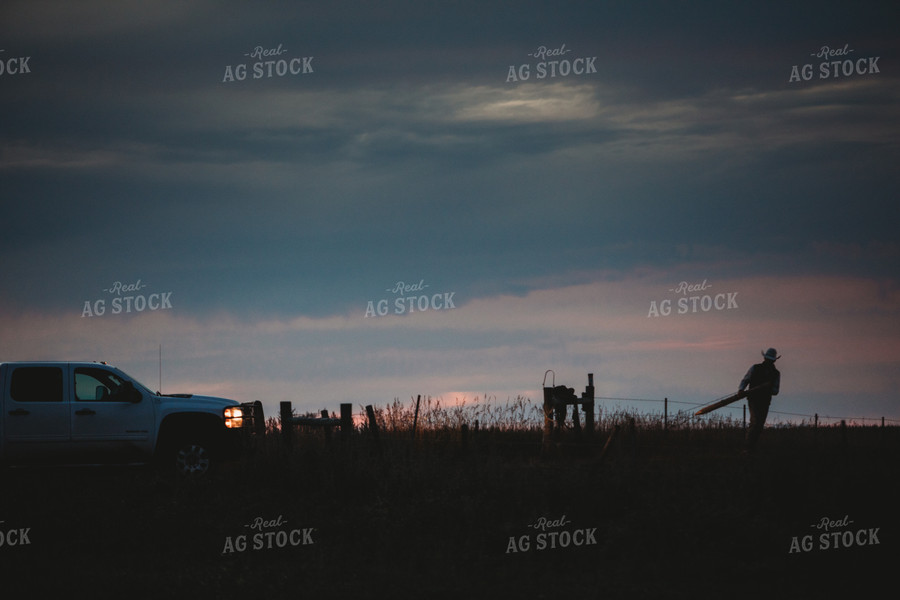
x,y
815,431
346,421
287,425
589,406
665,414
373,427
559,408
259,420
416,417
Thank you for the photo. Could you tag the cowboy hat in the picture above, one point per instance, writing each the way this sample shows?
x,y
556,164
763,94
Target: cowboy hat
x,y
771,354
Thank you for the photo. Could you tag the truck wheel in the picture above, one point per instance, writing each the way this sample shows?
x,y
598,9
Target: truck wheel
x,y
192,459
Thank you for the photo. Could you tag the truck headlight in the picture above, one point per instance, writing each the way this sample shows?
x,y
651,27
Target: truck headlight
x,y
234,417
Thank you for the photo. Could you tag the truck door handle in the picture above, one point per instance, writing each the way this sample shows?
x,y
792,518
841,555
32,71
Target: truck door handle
x,y
19,412
85,412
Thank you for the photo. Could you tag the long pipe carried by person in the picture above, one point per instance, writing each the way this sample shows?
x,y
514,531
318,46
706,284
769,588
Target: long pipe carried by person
x,y
727,400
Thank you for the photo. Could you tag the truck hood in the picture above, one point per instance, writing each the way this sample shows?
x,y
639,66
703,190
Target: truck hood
x,y
195,399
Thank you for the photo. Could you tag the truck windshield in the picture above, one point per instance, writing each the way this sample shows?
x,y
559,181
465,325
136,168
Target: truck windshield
x,y
140,386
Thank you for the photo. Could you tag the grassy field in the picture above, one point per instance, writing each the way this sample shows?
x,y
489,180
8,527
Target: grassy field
x,y
667,513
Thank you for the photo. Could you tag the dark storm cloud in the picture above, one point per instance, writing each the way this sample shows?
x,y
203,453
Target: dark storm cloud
x,y
407,150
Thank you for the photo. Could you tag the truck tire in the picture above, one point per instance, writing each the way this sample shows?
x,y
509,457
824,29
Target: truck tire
x,y
193,458
189,445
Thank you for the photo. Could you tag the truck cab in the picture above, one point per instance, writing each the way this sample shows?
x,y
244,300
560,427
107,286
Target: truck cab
x,y
85,413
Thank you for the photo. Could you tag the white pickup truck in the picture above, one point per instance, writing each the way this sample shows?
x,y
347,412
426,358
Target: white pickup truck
x,y
88,413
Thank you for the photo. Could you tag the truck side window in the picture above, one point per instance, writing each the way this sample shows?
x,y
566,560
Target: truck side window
x,y
37,384
92,385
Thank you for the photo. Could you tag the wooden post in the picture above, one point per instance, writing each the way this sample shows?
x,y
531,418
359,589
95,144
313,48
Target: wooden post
x,y
373,427
259,419
346,421
287,425
815,435
665,414
416,417
588,402
560,410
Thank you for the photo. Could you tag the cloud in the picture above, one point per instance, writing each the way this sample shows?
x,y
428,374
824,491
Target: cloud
x,y
55,20
557,210
837,335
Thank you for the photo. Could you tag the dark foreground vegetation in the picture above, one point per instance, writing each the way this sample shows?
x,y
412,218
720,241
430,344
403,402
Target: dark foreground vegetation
x,y
673,512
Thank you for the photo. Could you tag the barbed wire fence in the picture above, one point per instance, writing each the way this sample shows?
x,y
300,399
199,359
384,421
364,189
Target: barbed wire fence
x,y
523,413
515,423
813,418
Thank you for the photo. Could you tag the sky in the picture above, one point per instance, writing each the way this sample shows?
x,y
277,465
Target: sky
x,y
255,191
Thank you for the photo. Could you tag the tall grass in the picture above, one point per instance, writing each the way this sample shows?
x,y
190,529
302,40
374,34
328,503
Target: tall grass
x,y
514,428
523,414
518,414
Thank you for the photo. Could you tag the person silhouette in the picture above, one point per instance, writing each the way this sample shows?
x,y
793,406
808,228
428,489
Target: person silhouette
x,y
762,381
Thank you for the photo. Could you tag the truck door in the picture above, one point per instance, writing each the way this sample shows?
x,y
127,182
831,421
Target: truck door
x,y
36,422
110,416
